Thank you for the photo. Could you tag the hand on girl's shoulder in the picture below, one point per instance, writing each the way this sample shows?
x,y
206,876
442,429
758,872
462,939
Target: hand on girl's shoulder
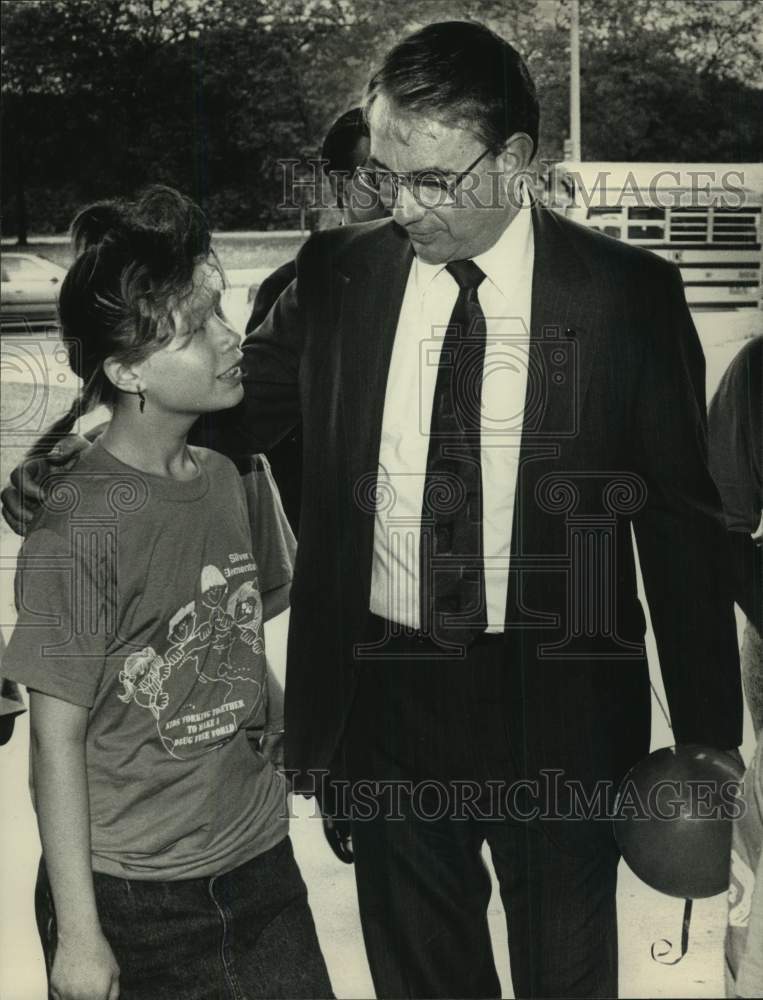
x,y
87,490
22,496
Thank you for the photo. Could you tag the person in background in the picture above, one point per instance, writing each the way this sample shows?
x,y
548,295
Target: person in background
x,y
735,428
167,869
344,149
744,932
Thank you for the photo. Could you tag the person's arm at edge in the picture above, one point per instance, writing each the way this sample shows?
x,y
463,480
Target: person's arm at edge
x,y
681,535
749,975
84,963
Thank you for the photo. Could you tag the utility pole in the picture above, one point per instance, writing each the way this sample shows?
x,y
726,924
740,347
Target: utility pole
x,y
575,148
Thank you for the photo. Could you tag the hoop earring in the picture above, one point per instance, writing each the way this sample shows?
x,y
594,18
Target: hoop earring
x,y
142,399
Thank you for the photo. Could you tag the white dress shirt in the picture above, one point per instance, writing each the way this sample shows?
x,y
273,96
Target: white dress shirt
x,y
505,296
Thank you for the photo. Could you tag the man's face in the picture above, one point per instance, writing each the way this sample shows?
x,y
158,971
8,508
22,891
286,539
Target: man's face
x,y
411,143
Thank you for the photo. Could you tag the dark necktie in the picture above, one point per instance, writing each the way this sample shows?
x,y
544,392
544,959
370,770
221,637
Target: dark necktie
x,y
452,578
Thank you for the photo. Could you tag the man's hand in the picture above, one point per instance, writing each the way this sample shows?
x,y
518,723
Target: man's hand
x,y
84,970
736,757
757,535
339,836
336,827
23,498
272,747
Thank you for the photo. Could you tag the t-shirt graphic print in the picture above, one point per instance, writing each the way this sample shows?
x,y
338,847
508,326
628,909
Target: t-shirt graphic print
x,y
200,700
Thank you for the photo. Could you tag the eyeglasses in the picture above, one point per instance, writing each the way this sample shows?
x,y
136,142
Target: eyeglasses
x,y
428,188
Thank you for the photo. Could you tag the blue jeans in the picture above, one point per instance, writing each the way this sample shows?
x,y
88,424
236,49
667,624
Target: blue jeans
x,y
247,933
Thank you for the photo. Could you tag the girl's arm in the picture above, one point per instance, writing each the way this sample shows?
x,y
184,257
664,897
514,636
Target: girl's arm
x,y
84,967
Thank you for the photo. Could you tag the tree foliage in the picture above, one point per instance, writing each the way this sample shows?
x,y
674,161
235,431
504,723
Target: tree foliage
x,y
103,96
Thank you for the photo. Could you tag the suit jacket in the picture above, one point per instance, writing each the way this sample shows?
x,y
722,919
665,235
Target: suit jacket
x,y
614,434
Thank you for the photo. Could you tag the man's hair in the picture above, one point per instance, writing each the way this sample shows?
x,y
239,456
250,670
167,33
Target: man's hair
x,y
463,74
340,145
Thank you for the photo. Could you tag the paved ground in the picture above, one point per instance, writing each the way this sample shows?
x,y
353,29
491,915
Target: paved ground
x,y
644,914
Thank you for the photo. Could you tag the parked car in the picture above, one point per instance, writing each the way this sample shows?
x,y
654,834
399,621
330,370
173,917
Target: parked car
x,y
29,287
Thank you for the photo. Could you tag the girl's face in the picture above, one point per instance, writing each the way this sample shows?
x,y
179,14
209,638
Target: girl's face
x,y
197,371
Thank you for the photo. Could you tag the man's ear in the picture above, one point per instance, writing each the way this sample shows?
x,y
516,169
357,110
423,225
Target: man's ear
x,y
126,378
516,155
514,162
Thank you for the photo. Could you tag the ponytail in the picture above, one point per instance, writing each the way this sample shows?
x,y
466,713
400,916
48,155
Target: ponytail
x,y
63,426
86,400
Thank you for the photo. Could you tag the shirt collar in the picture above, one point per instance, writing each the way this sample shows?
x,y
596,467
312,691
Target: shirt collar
x,y
502,262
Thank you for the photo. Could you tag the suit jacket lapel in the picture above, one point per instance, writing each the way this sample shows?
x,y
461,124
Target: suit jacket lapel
x,y
565,328
563,336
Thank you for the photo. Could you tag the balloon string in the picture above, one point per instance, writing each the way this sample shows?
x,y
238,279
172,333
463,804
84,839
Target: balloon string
x,y
659,956
662,707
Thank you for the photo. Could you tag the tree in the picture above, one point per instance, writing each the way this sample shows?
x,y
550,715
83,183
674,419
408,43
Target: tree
x,y
103,96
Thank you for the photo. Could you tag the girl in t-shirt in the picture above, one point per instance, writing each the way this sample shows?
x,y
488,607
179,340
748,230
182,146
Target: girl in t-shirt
x,y
167,870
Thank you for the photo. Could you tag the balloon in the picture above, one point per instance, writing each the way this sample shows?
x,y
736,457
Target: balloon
x,y
673,816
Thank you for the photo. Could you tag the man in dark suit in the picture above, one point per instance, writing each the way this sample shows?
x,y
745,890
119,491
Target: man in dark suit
x,y
490,396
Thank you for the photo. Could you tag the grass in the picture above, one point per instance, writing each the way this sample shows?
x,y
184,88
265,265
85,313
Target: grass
x,y
247,252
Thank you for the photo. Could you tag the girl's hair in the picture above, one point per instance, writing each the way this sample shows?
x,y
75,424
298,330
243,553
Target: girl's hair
x,y
134,262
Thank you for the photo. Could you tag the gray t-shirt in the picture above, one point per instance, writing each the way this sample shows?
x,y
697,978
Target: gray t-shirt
x,y
140,599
